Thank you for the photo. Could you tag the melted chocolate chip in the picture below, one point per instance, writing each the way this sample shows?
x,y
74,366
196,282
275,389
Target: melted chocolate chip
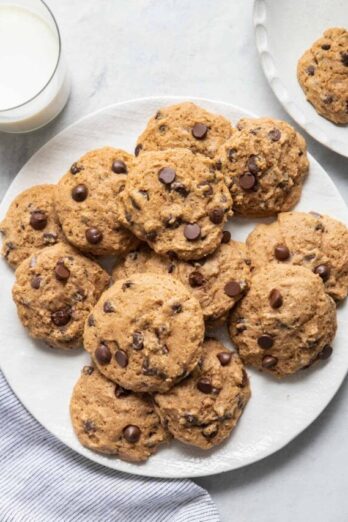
x,y
79,193
93,235
36,282
310,70
103,354
196,279
137,341
274,135
50,238
180,188
245,379
199,131
121,358
61,272
62,316
344,59
119,167
226,236
38,220
89,426
108,307
131,433
177,308
121,392
91,320
204,385
192,231
326,47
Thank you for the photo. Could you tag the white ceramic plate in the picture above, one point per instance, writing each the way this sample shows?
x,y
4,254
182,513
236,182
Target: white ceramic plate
x,y
284,30
43,378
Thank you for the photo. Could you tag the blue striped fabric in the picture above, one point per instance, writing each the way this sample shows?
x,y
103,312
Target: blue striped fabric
x,y
41,480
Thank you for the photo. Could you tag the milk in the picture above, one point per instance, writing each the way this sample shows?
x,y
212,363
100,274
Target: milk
x,y
29,63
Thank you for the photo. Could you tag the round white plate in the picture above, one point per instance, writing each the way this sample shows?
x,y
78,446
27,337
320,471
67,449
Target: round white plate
x,y
284,30
43,378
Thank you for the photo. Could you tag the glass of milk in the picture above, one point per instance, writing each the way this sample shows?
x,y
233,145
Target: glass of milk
x,y
34,84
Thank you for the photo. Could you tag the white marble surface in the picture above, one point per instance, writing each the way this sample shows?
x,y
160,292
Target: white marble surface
x,y
122,49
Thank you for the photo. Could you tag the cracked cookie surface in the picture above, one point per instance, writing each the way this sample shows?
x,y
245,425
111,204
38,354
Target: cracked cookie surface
x,y
146,332
322,72
203,409
54,291
111,420
285,323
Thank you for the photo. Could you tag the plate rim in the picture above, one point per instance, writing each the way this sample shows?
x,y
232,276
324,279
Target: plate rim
x,y
123,466
283,95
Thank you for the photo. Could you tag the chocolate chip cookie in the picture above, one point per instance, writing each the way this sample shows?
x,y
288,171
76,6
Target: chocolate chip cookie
x,y
109,419
204,408
315,241
55,289
87,198
185,125
30,224
322,72
217,281
286,322
177,202
145,333
264,164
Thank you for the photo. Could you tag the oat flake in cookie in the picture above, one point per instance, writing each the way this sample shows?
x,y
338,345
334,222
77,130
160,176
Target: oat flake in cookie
x,y
86,200
55,289
146,332
185,125
30,224
264,164
315,241
109,419
286,322
218,281
322,72
203,409
177,202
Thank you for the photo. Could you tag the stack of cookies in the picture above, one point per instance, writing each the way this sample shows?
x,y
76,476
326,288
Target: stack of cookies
x,y
155,373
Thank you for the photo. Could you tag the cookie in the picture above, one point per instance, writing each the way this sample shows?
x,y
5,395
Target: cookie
x,y
109,419
217,281
264,164
30,224
286,322
185,125
317,242
145,333
322,72
204,408
86,200
55,289
177,202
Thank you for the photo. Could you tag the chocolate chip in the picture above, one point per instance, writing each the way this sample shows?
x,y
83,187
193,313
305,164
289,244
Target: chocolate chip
x,y
231,154
269,361
137,341
199,131
75,169
61,317
172,222
216,215
191,420
206,188
217,165
247,181
265,341
162,129
87,370
38,220
79,193
131,433
323,271
196,279
171,268
344,59
252,165
121,358
126,285
204,385
103,354
89,426
326,47
310,70
91,320
274,134
180,189
281,252
50,238
61,272
93,235
137,149
275,298
36,282
232,289
151,236
177,308
192,231
108,307
158,115
328,99
119,167
226,236
167,175
325,353
121,392
245,379
224,358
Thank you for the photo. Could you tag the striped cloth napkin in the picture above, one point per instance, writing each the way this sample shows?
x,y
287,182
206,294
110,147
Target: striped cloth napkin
x,y
41,480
